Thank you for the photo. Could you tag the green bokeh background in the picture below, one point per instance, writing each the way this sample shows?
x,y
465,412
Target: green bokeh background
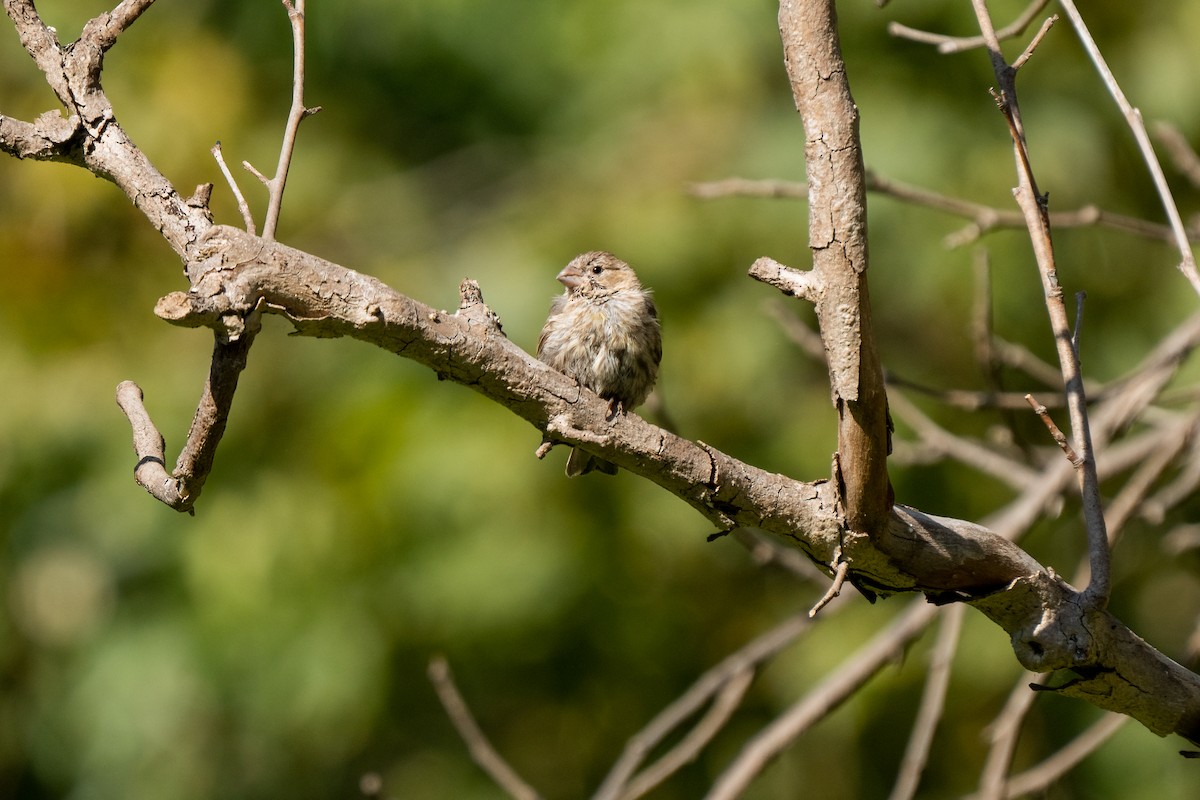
x,y
363,517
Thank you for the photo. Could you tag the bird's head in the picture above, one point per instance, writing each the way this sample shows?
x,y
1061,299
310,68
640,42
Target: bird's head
x,y
597,274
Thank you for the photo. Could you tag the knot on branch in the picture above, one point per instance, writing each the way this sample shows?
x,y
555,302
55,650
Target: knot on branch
x,y
55,130
472,308
230,319
1059,636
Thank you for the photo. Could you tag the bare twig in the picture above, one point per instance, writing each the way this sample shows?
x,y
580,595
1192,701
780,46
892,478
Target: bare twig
x,y
967,399
792,282
1184,484
964,450
767,551
242,205
984,219
1133,494
1033,206
1133,117
1059,437
181,488
804,337
723,706
477,743
835,588
932,701
1038,779
1034,42
957,44
297,114
1004,732
1112,415
73,73
822,699
618,781
1180,151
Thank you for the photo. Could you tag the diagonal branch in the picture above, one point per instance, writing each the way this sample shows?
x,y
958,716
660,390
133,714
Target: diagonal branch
x,y
1133,117
620,781
478,745
96,140
884,648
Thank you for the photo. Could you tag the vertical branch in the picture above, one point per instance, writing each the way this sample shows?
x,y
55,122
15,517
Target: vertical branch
x,y
838,241
1005,730
296,114
1033,205
933,700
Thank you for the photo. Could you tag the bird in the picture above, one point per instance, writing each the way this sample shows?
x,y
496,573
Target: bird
x,y
603,331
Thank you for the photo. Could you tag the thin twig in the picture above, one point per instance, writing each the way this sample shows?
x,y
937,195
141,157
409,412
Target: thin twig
x,y
1114,414
984,219
1004,732
1059,437
181,488
1181,152
957,44
1133,117
296,114
1133,494
1038,779
723,706
242,205
1154,510
843,682
933,700
967,399
964,450
768,552
986,346
1033,205
477,743
1033,44
1079,298
706,687
835,588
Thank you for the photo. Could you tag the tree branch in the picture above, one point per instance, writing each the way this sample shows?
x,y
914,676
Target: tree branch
x,y
886,646
620,781
837,237
1187,263
297,114
984,219
477,743
1033,205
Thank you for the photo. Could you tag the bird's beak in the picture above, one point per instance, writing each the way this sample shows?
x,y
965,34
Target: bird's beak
x,y
571,277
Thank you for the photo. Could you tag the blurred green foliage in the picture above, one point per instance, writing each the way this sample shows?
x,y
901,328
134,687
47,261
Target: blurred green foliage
x,y
363,516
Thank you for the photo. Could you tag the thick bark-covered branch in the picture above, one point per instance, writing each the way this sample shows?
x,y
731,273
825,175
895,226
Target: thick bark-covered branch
x,y
837,237
946,559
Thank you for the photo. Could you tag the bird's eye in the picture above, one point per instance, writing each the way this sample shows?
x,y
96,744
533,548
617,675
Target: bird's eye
x,y
597,269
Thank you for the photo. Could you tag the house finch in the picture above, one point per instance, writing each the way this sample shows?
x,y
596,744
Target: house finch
x,y
603,332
